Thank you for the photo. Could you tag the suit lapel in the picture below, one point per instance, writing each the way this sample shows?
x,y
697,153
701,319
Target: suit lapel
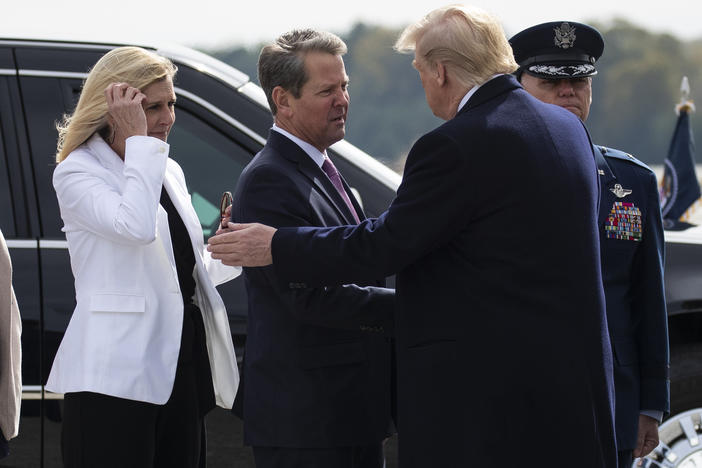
x,y
607,179
181,202
307,167
606,174
108,159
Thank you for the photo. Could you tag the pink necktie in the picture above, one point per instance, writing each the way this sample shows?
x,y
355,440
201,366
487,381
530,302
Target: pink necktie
x,y
335,178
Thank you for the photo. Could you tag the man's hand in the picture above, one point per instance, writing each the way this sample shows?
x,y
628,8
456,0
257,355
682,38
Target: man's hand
x,y
647,438
246,245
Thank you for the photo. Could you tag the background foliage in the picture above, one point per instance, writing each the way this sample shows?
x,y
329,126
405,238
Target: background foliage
x,y
634,93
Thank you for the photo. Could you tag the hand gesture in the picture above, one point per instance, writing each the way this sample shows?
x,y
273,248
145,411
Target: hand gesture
x,y
125,112
647,438
243,245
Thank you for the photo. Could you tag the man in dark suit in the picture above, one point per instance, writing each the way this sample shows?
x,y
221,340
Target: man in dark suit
x,y
556,64
503,357
317,364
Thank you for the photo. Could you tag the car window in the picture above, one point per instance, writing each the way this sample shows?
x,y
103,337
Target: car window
x,y
45,100
212,162
7,224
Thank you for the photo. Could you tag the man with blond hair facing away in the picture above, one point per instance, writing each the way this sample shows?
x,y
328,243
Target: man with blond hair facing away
x,y
503,357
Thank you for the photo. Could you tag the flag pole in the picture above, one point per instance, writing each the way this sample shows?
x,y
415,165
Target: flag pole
x,y
685,104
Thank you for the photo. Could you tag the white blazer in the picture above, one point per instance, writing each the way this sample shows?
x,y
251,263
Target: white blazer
x,y
124,336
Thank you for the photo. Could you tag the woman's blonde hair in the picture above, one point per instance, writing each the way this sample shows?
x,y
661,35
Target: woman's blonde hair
x,y
132,65
467,40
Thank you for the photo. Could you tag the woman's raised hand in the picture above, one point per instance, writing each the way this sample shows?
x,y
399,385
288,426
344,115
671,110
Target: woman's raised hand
x,y
125,111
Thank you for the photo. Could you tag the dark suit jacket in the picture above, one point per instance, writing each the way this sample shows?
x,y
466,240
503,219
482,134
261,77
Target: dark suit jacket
x,y
306,384
632,271
503,355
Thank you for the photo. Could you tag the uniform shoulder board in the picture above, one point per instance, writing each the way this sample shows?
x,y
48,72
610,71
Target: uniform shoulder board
x,y
616,154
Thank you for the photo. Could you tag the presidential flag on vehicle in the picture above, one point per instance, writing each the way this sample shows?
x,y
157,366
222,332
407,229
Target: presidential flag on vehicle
x,y
680,190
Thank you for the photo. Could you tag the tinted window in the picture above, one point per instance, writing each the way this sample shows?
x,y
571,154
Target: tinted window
x,y
45,101
78,59
7,224
252,115
211,161
6,60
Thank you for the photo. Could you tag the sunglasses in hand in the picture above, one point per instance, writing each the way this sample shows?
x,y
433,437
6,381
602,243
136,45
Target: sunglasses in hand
x,y
223,205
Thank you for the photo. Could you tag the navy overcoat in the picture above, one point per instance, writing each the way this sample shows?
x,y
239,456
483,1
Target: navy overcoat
x,y
503,353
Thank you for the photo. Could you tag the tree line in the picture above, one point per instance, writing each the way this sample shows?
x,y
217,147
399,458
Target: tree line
x,y
634,93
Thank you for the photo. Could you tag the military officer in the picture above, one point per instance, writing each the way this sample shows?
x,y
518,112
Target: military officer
x,y
556,65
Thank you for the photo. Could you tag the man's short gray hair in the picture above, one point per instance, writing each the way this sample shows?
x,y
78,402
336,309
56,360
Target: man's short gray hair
x,y
283,62
467,40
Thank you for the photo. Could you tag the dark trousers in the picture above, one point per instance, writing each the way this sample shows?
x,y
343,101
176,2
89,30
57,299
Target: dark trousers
x,y
101,431
626,458
367,456
4,447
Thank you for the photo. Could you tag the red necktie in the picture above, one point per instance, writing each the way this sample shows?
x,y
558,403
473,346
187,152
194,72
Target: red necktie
x,y
333,174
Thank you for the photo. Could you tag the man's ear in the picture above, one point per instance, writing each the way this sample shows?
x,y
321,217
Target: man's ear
x,y
282,100
440,74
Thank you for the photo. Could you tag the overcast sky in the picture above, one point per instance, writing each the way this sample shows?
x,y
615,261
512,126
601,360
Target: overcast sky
x,y
219,23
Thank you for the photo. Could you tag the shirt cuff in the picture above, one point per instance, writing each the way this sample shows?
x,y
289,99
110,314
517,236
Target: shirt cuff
x,y
657,415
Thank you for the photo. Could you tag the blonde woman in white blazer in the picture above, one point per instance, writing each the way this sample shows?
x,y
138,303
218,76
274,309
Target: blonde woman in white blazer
x,y
148,350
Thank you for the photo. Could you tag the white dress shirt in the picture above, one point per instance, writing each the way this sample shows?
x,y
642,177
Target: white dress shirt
x,y
317,156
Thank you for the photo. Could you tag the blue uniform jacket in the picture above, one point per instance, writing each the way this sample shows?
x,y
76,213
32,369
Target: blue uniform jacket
x,y
632,250
501,330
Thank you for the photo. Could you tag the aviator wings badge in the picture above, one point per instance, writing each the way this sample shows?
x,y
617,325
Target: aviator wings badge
x,y
564,36
619,191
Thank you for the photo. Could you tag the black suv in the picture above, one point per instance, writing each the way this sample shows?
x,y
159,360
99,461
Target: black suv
x,y
222,121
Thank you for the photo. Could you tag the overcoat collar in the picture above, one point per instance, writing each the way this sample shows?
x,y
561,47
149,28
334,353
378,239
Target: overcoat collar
x,y
489,90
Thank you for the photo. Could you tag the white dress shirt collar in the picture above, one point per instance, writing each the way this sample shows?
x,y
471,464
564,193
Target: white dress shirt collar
x,y
472,91
314,153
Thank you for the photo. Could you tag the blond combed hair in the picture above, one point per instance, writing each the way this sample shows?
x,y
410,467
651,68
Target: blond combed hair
x,y
132,65
467,40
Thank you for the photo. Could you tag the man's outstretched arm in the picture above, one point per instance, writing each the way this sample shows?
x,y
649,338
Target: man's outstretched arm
x,y
246,245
